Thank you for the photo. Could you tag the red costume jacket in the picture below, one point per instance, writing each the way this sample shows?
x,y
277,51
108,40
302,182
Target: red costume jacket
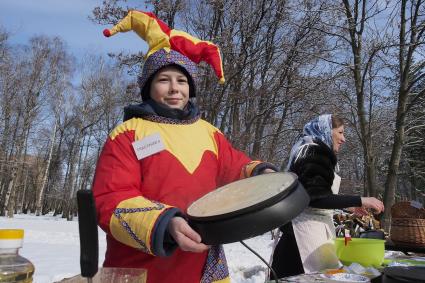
x,y
135,199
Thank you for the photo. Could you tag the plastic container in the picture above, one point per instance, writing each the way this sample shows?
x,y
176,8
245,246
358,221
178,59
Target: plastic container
x,y
13,267
367,252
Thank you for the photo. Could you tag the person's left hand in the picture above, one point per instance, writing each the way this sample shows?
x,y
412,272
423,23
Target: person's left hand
x,y
372,203
187,238
358,211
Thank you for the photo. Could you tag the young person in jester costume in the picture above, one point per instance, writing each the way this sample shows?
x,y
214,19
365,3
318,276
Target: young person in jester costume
x,y
162,158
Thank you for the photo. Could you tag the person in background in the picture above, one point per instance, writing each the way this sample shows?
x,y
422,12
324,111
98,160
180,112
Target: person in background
x,y
306,244
163,158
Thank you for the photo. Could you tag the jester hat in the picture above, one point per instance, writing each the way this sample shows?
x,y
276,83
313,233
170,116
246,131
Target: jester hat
x,y
161,59
168,47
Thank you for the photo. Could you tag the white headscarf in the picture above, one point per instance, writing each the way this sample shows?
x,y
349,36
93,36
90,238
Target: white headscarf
x,y
319,128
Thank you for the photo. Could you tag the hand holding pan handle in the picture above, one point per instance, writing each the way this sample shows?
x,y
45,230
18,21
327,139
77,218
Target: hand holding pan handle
x,y
87,224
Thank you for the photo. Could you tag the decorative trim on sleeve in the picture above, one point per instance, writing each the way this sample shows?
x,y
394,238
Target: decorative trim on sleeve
x,y
134,220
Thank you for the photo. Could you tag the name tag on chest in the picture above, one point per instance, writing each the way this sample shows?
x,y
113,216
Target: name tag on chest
x,y
149,145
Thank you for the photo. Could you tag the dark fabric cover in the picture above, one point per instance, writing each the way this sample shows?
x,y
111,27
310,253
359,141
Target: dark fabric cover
x,y
286,257
315,170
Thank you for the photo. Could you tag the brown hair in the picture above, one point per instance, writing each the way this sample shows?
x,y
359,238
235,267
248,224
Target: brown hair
x,y
337,121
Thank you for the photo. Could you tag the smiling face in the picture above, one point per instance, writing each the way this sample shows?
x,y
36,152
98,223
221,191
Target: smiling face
x,y
338,138
170,87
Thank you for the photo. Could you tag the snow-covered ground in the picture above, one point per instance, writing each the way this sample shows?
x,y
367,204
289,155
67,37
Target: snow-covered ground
x,y
52,245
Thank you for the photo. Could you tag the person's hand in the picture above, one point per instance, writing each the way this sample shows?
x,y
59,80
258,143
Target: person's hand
x,y
373,203
268,170
358,211
187,239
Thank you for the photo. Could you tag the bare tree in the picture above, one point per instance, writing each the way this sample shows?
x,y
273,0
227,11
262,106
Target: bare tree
x,y
34,82
42,189
284,62
167,9
411,39
357,15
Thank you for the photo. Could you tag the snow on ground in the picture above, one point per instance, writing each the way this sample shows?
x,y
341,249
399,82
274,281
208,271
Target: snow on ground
x,y
52,244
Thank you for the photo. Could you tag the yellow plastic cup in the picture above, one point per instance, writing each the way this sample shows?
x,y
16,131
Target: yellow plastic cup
x,y
367,252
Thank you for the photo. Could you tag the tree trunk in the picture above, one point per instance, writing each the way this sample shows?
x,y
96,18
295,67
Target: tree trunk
x,y
393,166
40,193
21,200
70,184
8,202
371,187
356,43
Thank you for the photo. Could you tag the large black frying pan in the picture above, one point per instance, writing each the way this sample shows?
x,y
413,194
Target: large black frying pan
x,y
247,208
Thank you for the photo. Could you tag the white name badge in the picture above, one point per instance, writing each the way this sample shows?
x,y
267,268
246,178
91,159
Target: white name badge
x,y
149,145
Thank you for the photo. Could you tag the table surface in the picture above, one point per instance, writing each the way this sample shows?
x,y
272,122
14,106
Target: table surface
x,y
390,246
303,278
414,258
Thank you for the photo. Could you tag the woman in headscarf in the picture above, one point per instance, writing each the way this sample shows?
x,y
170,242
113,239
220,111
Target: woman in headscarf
x,y
306,244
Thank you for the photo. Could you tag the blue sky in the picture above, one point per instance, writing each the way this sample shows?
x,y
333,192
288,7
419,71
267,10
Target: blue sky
x,y
67,19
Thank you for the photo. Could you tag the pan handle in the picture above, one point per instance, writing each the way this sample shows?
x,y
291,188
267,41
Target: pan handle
x,y
87,224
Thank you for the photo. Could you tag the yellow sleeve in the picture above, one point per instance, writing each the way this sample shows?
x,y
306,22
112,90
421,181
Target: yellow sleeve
x,y
134,222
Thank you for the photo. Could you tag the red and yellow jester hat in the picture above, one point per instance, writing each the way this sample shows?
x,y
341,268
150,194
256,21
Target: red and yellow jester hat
x,y
159,36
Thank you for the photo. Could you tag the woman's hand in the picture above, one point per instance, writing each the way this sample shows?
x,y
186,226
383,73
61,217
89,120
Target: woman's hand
x,y
187,239
358,211
373,203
